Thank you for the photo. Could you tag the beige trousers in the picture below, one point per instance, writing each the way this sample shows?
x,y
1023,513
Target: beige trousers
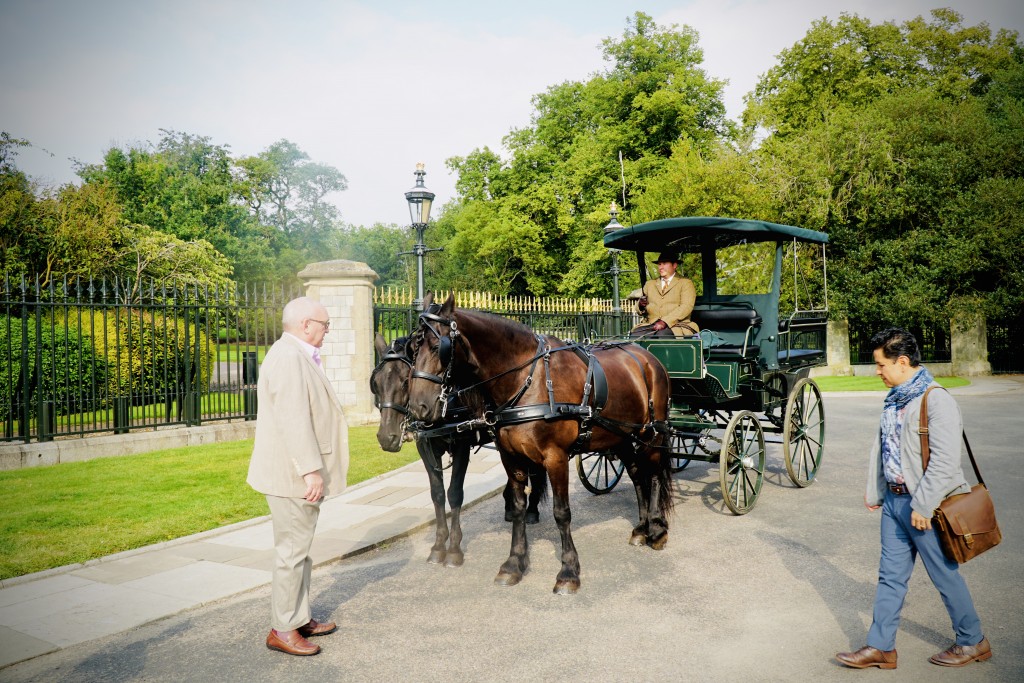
x,y
294,521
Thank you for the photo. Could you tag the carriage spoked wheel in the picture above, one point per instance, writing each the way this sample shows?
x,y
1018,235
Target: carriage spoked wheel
x,y
741,462
688,444
803,436
599,472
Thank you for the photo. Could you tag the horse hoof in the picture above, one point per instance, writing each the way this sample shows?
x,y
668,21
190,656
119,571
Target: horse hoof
x,y
506,579
532,517
567,587
659,543
638,538
436,557
454,560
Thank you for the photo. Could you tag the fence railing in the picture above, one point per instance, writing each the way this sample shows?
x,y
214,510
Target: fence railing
x,y
1004,345
934,341
568,319
484,301
82,357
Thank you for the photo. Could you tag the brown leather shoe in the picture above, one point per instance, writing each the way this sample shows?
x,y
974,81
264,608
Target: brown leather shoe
x,y
317,628
291,642
961,655
868,656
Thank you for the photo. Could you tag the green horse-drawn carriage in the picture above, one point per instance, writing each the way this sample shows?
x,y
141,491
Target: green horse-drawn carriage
x,y
747,373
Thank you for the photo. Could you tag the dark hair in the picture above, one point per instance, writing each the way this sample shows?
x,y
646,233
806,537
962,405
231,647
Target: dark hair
x,y
896,342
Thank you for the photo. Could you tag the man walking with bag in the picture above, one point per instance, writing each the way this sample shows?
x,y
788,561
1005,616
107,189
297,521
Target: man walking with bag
x,y
300,456
907,495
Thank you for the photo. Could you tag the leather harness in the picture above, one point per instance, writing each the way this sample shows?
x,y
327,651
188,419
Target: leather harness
x,y
587,411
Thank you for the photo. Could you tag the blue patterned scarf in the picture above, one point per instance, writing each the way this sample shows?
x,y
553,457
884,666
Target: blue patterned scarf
x,y
892,421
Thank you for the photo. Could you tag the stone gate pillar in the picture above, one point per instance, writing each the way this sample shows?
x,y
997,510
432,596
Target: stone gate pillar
x,y
969,346
345,288
838,351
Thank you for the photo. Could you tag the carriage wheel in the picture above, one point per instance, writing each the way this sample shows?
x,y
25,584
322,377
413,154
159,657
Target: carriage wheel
x,y
683,444
803,437
599,472
741,462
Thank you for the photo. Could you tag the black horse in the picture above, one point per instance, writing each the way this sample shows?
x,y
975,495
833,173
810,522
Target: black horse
x,y
607,398
389,383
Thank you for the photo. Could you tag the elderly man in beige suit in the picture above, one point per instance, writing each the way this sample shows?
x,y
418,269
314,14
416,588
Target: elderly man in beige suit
x,y
300,457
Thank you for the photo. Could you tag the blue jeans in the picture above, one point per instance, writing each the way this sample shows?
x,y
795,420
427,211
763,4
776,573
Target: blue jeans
x,y
901,544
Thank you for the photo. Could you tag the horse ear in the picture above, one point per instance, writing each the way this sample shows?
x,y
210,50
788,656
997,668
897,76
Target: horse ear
x,y
449,304
380,344
428,299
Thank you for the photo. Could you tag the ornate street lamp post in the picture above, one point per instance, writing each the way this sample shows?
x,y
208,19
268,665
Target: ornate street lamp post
x,y
615,271
420,200
612,226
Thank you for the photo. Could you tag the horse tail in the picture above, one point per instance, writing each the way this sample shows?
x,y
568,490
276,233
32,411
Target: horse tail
x,y
666,501
658,405
539,484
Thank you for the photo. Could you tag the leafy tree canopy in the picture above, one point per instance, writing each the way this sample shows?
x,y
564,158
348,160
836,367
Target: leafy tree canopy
x,y
854,62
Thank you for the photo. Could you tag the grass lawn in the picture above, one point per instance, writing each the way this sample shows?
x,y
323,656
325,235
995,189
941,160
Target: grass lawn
x,y
73,512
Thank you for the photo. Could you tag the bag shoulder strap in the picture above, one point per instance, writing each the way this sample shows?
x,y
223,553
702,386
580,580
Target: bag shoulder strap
x,y
925,450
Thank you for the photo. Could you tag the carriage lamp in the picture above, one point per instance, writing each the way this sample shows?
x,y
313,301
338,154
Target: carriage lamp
x,y
612,226
420,200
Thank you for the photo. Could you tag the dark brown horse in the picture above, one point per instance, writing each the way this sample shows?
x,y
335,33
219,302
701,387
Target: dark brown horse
x,y
389,383
544,395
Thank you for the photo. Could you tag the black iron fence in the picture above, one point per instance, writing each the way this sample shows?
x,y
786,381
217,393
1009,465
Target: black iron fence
x,y
934,341
81,357
1005,349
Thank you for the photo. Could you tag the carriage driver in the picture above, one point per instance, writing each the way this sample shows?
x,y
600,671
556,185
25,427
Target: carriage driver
x,y
666,303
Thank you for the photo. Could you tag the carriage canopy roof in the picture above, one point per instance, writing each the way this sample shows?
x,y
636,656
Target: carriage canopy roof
x,y
689,234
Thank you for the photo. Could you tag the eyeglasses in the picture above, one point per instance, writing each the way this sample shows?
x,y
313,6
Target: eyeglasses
x,y
325,323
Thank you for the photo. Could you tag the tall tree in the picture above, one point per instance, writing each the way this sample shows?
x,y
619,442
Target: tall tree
x,y
18,211
853,62
185,187
290,192
533,224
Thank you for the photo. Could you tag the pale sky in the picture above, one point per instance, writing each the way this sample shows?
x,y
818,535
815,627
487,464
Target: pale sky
x,y
370,87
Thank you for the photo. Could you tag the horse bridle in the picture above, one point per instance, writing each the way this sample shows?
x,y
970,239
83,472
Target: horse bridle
x,y
391,354
445,353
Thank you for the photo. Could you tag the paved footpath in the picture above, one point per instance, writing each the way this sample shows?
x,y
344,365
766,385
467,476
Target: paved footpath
x,y
51,610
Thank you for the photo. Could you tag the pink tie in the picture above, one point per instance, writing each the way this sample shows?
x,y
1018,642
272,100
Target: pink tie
x,y
316,357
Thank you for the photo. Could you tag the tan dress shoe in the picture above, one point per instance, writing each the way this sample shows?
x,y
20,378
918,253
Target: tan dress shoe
x,y
291,642
317,628
868,656
961,655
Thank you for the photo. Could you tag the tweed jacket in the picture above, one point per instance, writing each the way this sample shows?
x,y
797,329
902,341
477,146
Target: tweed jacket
x,y
944,476
300,426
674,305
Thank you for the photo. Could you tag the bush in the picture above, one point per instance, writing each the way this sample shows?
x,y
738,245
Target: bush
x,y
70,374
151,356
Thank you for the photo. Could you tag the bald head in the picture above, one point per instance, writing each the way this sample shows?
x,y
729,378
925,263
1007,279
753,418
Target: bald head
x,y
305,318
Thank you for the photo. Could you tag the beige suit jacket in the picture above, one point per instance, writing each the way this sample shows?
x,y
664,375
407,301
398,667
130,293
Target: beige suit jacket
x,y
674,305
300,426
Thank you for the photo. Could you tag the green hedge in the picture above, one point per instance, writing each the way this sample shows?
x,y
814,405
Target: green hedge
x,y
148,352
70,374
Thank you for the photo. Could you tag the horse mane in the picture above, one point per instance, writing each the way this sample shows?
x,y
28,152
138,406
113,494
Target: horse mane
x,y
477,398
494,320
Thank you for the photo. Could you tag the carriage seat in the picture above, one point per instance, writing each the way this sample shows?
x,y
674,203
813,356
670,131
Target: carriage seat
x,y
802,340
733,326
726,319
